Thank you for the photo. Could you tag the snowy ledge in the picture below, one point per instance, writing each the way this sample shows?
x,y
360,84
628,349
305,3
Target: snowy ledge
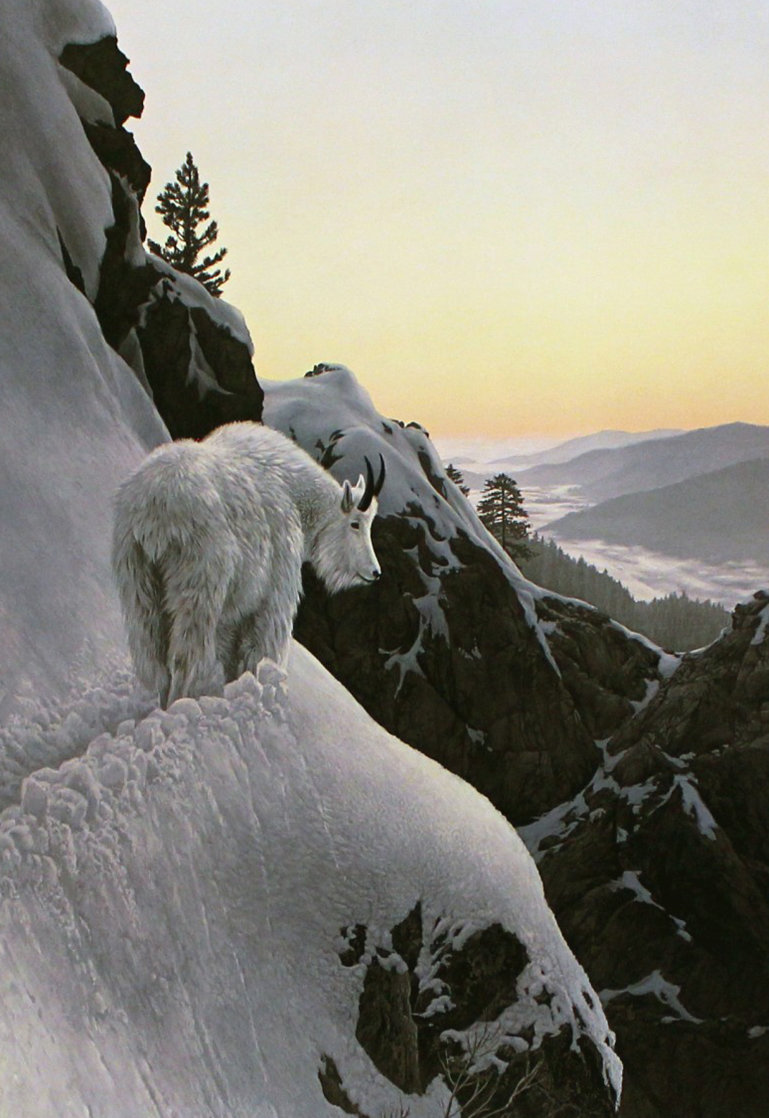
x,y
287,814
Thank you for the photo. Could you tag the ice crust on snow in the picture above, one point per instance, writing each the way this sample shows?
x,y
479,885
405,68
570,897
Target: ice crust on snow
x,y
173,899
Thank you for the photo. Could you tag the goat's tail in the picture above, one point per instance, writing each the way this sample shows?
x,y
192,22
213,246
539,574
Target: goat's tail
x,y
172,564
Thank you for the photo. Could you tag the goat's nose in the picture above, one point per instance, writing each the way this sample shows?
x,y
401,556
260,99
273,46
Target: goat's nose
x,y
376,573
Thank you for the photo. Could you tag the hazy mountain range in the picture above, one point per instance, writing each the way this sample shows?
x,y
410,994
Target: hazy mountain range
x,y
581,445
651,464
648,502
719,516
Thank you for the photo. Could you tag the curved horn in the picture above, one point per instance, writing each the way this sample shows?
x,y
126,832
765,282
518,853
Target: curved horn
x,y
372,488
368,492
380,480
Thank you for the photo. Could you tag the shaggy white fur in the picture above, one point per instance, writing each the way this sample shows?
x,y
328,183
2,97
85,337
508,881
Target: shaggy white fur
x,y
209,540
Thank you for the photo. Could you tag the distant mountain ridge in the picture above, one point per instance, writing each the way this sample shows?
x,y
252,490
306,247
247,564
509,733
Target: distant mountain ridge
x,y
582,444
604,474
715,517
475,470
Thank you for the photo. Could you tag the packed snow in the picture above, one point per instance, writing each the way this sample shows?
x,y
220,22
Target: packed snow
x,y
173,900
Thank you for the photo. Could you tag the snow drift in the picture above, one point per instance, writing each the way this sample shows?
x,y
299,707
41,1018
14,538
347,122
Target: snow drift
x,y
173,902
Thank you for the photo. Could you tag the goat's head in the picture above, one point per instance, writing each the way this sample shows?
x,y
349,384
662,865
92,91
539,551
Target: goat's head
x,y
344,552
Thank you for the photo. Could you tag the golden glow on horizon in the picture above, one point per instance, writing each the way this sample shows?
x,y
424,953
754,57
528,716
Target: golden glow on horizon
x,y
502,224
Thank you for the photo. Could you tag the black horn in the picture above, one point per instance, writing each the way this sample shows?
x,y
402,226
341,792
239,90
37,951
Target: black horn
x,y
372,488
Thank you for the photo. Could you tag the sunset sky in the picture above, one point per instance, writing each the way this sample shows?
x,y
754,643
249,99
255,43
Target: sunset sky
x,y
508,219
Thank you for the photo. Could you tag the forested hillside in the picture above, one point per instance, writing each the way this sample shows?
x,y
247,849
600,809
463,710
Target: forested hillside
x,y
675,621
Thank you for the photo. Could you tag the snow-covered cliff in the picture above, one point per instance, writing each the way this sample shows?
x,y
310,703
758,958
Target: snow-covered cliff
x,y
257,905
74,418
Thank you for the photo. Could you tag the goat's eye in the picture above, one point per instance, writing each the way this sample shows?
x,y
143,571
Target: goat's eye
x,y
355,525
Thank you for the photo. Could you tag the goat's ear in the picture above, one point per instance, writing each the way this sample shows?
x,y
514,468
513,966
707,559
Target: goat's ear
x,y
348,499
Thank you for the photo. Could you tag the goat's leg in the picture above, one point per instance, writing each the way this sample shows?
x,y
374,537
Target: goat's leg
x,y
264,633
195,588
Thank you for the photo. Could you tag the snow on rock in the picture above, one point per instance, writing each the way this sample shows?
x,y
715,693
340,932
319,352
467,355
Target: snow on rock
x,y
332,416
173,902
191,293
75,419
656,986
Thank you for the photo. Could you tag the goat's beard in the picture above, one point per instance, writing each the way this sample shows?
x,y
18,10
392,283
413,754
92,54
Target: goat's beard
x,y
331,561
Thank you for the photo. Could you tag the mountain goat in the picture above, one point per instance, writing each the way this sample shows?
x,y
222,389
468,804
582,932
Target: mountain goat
x,y
208,544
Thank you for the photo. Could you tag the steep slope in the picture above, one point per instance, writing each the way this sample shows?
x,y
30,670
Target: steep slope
x,y
715,517
447,651
662,913
80,288
603,474
71,409
261,904
138,957
225,908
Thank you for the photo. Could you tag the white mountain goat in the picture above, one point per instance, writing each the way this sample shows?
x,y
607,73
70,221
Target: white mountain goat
x,y
209,540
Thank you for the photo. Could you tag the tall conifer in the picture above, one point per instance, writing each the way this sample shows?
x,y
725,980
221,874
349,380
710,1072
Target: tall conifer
x,y
501,510
183,205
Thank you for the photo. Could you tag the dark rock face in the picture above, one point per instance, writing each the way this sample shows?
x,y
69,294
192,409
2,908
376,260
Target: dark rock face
x,y
659,879
103,67
199,373
171,335
604,671
413,1026
481,696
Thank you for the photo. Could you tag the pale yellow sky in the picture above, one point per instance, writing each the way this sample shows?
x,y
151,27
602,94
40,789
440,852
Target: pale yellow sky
x,y
508,218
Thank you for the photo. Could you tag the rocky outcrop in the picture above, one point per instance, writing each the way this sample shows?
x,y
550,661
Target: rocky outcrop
x,y
606,670
474,690
191,352
658,875
443,1008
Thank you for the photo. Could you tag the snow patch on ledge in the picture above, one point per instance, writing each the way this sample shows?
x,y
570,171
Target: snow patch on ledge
x,y
664,991
191,293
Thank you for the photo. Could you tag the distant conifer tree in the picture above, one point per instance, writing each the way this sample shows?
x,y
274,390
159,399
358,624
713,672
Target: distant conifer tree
x,y
183,205
455,475
501,510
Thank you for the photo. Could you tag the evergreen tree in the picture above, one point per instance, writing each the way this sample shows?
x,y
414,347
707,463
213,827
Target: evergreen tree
x,y
183,205
501,510
455,475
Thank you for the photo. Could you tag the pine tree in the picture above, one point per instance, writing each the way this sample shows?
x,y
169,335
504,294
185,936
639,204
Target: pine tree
x,y
183,205
455,475
501,510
